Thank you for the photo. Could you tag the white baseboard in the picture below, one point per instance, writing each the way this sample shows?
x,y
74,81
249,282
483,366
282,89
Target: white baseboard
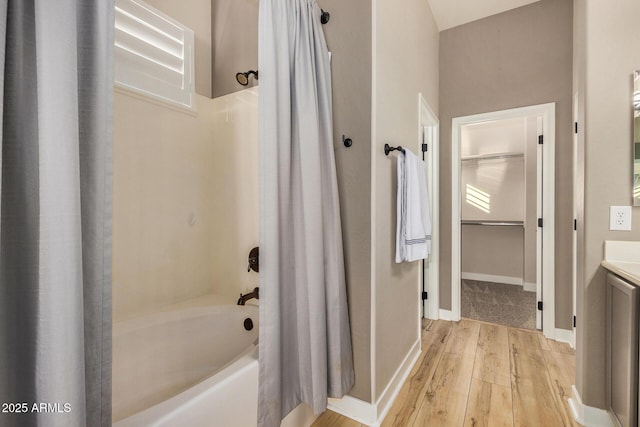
x,y
391,391
492,278
301,416
356,409
529,287
445,315
565,335
372,414
435,316
588,416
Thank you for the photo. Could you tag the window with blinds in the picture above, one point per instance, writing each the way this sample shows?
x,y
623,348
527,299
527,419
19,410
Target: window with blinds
x,y
153,54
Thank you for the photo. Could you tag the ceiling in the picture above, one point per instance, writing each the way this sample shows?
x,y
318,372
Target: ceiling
x,y
451,13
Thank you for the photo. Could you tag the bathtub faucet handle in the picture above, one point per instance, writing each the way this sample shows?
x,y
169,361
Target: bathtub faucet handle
x,y
254,260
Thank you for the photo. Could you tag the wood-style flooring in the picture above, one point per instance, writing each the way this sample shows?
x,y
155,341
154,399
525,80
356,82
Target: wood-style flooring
x,y
476,374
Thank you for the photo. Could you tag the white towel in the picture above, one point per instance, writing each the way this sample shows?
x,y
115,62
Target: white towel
x,y
413,228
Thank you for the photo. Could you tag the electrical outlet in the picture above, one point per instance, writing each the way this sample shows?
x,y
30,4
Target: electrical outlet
x,y
620,218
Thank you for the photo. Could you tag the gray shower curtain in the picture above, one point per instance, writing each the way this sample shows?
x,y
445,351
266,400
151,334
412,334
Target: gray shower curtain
x,y
55,212
305,342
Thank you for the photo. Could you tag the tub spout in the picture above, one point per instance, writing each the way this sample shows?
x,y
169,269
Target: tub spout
x,y
246,297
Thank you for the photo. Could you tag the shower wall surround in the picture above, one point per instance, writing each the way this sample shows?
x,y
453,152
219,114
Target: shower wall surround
x,y
235,191
185,200
185,188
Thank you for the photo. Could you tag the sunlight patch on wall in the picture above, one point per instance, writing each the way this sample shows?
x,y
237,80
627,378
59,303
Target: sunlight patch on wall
x,y
478,198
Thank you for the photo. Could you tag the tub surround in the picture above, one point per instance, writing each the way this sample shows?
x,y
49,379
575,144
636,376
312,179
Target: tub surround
x,y
623,259
199,301
185,201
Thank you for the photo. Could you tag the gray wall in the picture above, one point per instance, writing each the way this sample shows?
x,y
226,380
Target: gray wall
x,y
406,40
234,35
491,250
375,284
348,35
606,50
517,58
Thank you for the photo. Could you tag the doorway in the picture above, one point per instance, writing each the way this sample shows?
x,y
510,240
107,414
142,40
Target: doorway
x,y
489,212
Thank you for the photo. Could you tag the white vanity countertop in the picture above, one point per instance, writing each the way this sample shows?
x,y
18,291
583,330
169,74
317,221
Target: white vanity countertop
x,y
623,259
626,270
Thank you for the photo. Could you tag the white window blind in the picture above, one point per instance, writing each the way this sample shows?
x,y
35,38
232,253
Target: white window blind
x,y
153,54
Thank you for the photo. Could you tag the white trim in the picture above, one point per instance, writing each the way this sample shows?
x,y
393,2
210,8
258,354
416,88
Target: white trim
x,y
548,213
539,201
547,111
373,179
576,202
480,277
529,287
372,414
356,409
588,416
456,268
391,391
566,336
162,102
428,120
301,416
446,315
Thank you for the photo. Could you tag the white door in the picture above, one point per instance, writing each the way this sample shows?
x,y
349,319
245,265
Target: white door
x,y
428,134
575,214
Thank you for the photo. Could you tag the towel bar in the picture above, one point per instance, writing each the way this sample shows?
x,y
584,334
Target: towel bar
x,y
388,149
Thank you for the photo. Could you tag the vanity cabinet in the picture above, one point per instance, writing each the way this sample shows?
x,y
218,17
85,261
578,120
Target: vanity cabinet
x,y
622,350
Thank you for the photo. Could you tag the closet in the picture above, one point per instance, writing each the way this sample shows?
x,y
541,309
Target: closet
x,y
498,221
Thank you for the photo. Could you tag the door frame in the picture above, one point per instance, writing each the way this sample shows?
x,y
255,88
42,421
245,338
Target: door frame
x,y
547,241
576,202
428,122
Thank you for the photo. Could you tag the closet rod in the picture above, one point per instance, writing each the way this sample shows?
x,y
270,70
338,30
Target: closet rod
x,y
492,157
493,223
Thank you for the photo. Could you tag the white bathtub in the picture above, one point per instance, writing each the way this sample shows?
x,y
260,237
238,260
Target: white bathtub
x,y
194,366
